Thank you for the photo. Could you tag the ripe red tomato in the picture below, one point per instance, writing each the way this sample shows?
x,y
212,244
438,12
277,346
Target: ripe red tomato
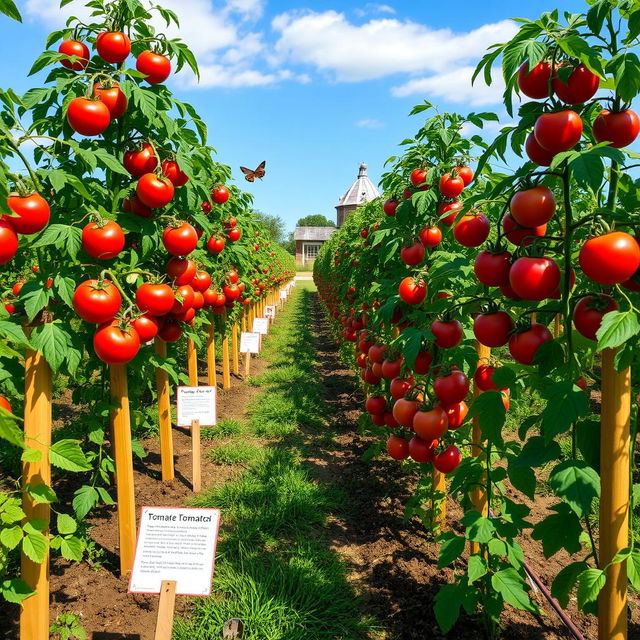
x,y
172,170
8,242
216,244
97,301
88,117
376,405
181,271
619,128
456,414
398,448
220,194
413,254
112,97
170,331
155,299
180,240
448,460
4,403
390,207
232,276
412,291
116,342
231,291
452,388
451,186
536,153
483,378
447,334
407,194
422,365
432,424
103,240
146,327
472,229
492,269
113,46
391,368
16,288
32,213
449,208
399,387
430,236
535,278
558,131
370,377
206,207
377,419
133,205
493,329
418,177
376,353
183,299
75,48
611,258
533,207
466,173
201,281
140,161
404,410
421,450
535,83
154,65
524,344
187,315
581,85
519,235
155,192
234,234
588,313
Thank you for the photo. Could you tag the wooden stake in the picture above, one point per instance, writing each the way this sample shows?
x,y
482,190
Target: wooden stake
x,y
192,359
34,615
247,365
479,494
556,326
166,608
123,456
196,484
234,348
614,497
440,485
164,416
226,373
212,376
243,325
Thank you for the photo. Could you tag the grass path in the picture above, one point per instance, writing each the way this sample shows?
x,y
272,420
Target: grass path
x,y
275,569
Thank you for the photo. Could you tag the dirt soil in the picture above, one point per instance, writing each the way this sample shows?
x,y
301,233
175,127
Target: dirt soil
x,y
393,563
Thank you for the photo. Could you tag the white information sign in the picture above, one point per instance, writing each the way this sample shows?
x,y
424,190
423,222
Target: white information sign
x,y
249,342
270,311
196,403
261,326
283,294
175,543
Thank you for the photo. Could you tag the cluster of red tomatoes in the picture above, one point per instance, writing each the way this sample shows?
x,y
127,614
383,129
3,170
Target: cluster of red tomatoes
x,y
91,116
31,214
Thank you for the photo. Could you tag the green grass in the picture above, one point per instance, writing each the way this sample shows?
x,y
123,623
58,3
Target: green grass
x,y
224,428
274,568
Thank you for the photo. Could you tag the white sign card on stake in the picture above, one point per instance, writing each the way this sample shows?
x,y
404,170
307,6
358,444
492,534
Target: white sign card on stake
x,y
175,543
249,342
270,311
283,294
196,403
261,326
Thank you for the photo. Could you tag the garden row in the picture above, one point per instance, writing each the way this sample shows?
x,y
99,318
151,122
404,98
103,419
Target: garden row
x,y
521,284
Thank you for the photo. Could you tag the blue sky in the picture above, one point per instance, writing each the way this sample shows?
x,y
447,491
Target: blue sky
x,y
313,88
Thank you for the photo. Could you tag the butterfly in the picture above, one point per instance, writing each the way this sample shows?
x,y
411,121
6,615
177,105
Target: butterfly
x,y
250,176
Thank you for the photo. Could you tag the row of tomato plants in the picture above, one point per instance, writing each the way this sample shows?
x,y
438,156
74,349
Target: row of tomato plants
x,y
118,227
515,280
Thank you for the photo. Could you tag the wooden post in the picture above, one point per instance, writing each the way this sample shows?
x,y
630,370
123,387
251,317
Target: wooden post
x,y
439,484
614,497
196,483
234,348
479,494
556,326
192,359
164,416
123,456
226,373
212,376
243,321
34,615
247,365
166,608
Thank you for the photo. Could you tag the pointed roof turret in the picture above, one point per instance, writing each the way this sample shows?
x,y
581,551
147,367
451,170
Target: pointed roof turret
x,y
360,192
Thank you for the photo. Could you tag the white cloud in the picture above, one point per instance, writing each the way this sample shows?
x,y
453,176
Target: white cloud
x,y
455,87
372,7
370,123
380,47
248,9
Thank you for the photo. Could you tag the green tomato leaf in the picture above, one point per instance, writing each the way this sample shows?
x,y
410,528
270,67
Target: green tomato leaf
x,y
565,581
72,548
451,548
15,590
476,568
67,455
590,582
11,537
560,530
577,483
617,328
66,524
511,586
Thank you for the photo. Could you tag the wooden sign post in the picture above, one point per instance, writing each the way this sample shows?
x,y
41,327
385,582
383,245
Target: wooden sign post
x,y
192,359
249,343
166,609
212,376
439,485
164,415
614,496
196,483
234,348
34,615
226,373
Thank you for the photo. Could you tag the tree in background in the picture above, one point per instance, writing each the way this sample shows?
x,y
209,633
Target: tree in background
x,y
274,225
315,220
